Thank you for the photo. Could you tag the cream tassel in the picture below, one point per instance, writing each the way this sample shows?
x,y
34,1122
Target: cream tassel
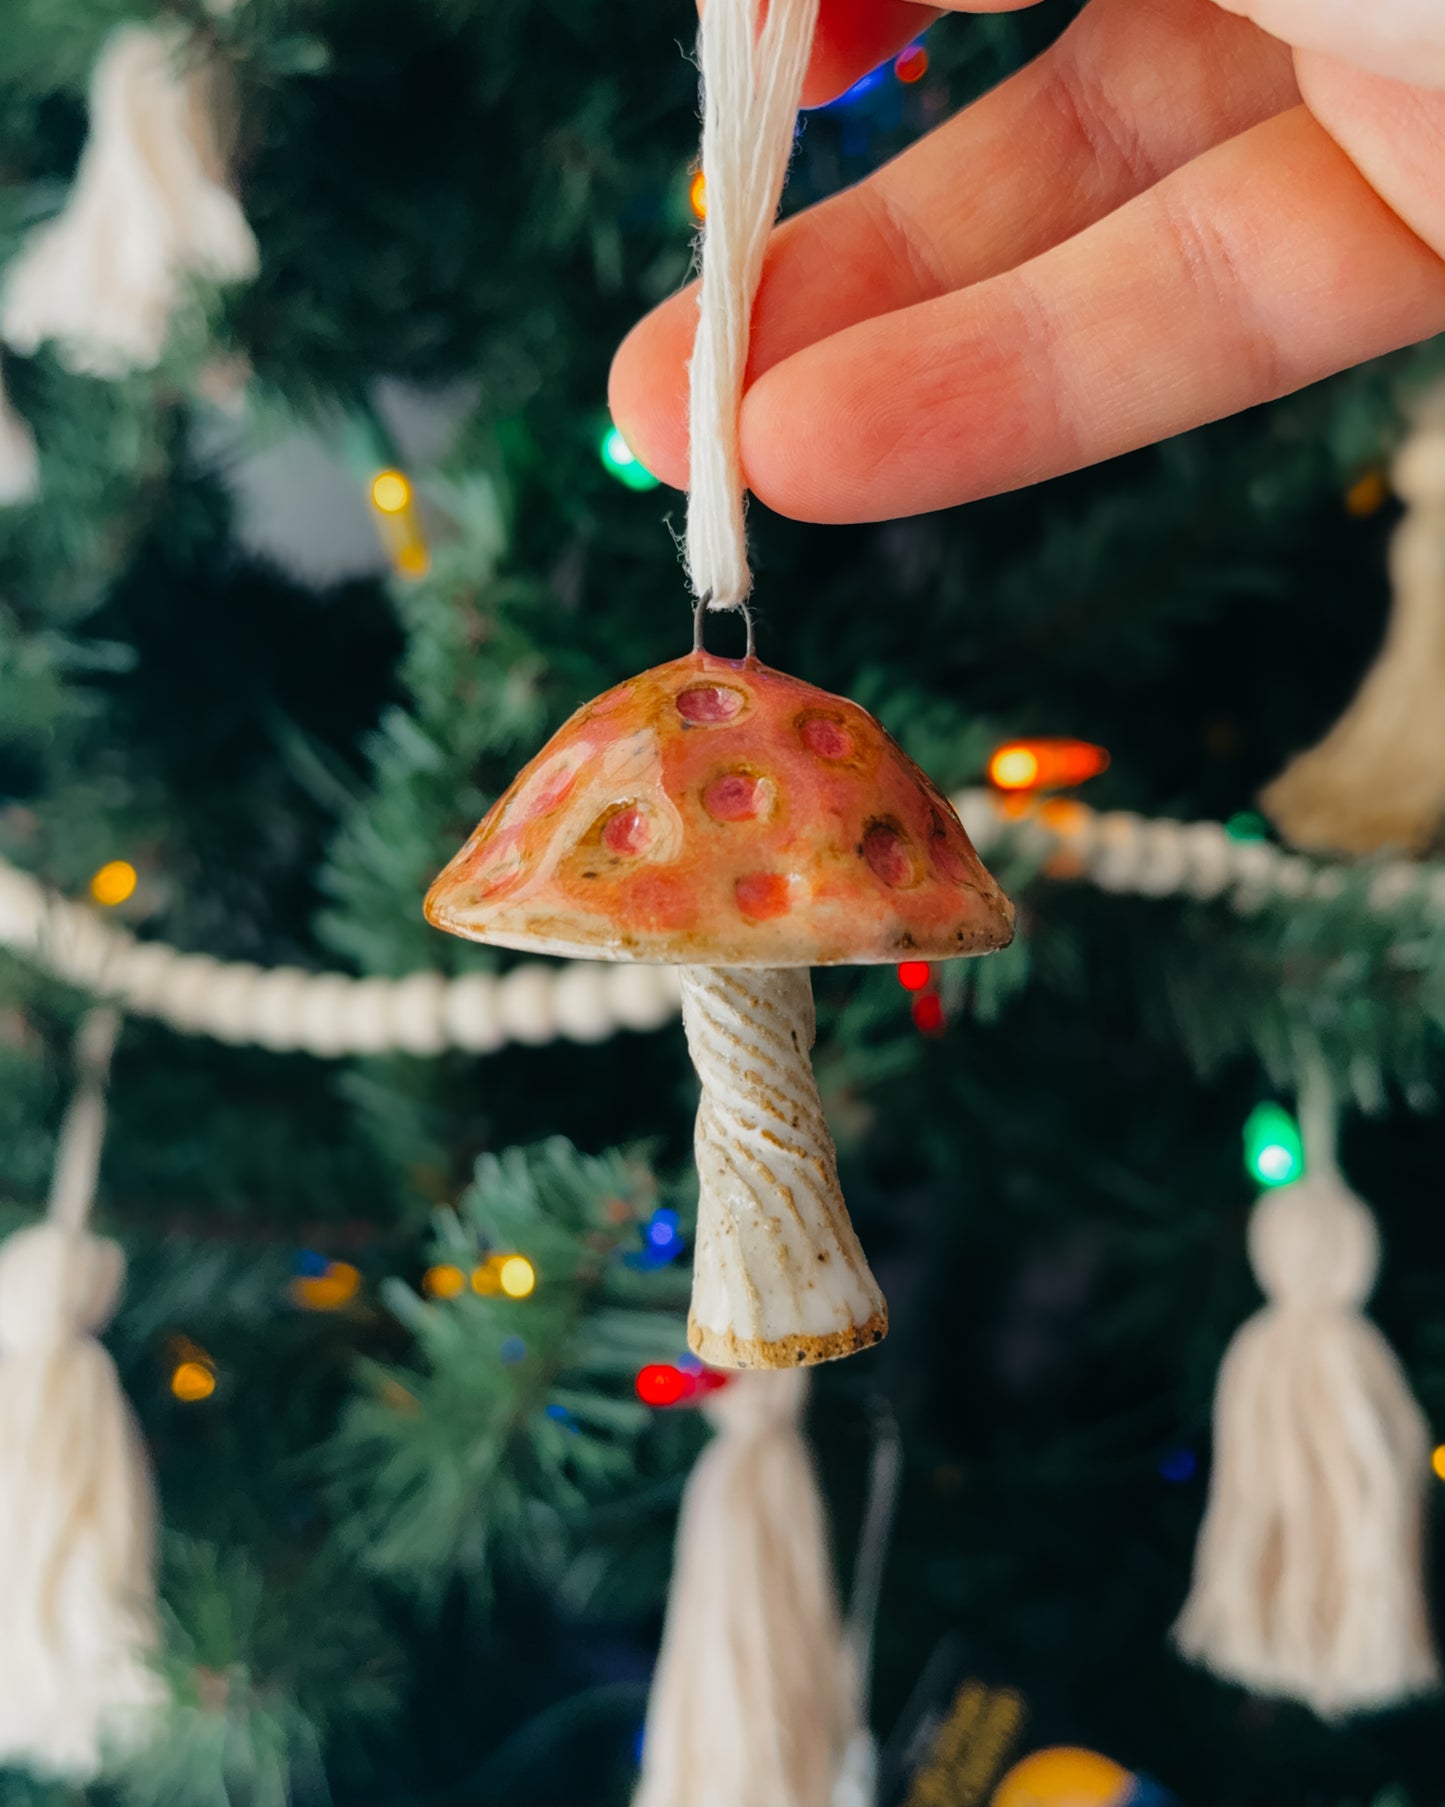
x,y
754,1702
1377,779
19,466
1308,1580
147,214
77,1516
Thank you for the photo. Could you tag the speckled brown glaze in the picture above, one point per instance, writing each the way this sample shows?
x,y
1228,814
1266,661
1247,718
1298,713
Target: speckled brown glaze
x,y
726,1349
715,810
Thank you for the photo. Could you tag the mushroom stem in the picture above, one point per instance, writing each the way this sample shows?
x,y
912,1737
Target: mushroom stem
x,y
779,1277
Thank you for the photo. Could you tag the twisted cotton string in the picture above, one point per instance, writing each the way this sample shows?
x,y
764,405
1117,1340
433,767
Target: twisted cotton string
x,y
77,1153
752,77
334,1014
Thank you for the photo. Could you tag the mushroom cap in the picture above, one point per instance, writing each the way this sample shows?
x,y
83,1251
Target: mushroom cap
x,y
717,812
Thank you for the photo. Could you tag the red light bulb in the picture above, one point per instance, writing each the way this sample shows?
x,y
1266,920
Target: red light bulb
x,y
661,1384
928,1013
913,975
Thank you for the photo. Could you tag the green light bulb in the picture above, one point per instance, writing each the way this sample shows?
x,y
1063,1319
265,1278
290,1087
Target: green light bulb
x,y
623,462
1273,1152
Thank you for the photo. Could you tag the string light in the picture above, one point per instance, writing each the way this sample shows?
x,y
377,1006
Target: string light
x,y
512,1351
659,1383
487,1277
517,1276
1273,1152
1031,765
192,1381
390,492
1437,1461
928,1013
865,84
336,1285
1179,1466
443,1282
114,883
1366,494
193,1373
911,65
697,195
913,975
1245,825
623,462
663,1230
398,522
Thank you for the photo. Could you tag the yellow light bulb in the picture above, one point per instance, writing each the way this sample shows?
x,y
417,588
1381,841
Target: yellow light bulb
x,y
1367,494
329,1291
115,882
518,1276
1437,1461
1014,768
390,492
191,1381
697,195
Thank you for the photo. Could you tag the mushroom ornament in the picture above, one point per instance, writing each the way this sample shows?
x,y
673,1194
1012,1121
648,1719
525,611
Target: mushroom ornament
x,y
721,816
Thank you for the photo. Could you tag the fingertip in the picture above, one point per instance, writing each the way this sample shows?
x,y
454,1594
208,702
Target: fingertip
x,y
855,36
647,387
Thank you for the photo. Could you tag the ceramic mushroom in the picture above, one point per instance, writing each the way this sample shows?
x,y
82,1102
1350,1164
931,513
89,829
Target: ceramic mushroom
x,y
721,816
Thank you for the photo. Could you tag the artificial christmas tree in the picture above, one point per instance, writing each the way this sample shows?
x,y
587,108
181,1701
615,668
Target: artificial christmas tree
x,y
384,1334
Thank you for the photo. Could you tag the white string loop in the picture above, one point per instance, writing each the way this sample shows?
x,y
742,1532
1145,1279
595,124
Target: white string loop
x,y
752,78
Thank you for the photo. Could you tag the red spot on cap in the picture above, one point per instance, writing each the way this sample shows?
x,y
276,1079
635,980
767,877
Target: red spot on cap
x,y
709,703
889,856
737,796
627,832
827,737
761,895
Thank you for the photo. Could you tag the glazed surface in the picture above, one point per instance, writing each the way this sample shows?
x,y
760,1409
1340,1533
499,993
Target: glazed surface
x,y
715,810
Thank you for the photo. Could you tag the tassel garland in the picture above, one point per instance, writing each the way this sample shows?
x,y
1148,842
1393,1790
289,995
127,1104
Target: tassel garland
x,y
77,1516
1308,1580
1377,779
147,214
755,1698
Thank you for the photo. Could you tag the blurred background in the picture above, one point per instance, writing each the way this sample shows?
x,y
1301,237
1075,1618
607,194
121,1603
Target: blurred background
x,y
317,528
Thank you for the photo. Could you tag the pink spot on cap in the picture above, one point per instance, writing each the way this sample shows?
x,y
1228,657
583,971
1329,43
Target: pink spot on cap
x,y
709,703
627,832
499,871
826,737
889,856
762,895
737,797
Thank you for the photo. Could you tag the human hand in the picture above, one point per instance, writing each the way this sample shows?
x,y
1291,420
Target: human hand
x,y
1169,216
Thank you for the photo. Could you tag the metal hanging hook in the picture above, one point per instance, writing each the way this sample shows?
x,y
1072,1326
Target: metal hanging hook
x,y
699,617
